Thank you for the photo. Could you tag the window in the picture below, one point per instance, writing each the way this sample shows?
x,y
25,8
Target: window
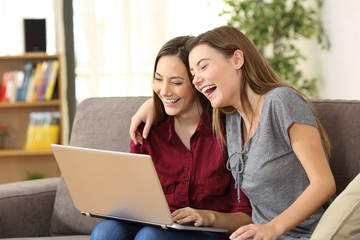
x,y
116,41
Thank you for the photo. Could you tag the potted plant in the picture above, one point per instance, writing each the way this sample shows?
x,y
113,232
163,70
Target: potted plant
x,y
275,26
3,132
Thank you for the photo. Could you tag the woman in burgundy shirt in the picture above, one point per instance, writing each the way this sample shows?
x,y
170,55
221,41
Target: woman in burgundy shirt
x,y
188,158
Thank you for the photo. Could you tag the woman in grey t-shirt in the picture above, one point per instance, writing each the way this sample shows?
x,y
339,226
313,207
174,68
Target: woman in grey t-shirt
x,y
277,148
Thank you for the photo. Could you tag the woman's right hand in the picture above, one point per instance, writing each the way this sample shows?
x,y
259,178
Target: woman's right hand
x,y
144,114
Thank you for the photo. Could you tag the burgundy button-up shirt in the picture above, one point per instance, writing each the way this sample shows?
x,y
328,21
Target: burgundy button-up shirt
x,y
195,178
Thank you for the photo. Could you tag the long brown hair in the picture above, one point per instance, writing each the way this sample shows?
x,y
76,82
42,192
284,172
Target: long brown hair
x,y
177,47
256,73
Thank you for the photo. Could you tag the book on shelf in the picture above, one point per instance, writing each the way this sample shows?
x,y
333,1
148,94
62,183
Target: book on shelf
x,y
11,83
41,93
41,81
30,96
43,130
51,82
35,82
28,72
3,86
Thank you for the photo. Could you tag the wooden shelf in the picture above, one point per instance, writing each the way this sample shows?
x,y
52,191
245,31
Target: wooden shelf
x,y
15,162
40,104
24,153
28,56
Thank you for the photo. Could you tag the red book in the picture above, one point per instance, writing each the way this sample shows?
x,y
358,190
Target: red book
x,y
3,86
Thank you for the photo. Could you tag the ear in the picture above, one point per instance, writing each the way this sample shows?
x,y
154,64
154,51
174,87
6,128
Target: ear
x,y
238,59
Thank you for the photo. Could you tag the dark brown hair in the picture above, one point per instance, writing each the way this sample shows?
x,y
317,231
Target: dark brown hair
x,y
177,47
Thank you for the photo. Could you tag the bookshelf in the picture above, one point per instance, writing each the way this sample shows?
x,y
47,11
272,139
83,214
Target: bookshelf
x,y
16,163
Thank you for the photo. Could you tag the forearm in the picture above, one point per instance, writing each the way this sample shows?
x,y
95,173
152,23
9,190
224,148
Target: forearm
x,y
144,114
229,221
314,196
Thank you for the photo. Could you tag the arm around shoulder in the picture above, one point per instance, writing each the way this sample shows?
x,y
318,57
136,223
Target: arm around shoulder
x,y
144,114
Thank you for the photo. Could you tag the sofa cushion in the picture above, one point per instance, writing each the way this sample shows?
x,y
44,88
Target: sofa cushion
x,y
100,123
342,219
340,119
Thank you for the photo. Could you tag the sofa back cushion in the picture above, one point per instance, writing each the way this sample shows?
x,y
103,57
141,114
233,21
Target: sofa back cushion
x,y
101,123
341,119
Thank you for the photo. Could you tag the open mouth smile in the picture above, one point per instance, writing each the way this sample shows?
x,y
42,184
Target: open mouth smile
x,y
171,101
208,89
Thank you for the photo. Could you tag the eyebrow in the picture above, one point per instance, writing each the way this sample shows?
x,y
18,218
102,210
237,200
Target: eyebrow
x,y
172,77
198,63
203,59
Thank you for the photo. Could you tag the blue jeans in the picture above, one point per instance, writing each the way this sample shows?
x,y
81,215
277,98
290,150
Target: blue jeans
x,y
111,230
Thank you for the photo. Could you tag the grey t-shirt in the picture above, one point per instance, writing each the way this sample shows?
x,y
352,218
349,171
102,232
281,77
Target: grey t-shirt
x,y
268,170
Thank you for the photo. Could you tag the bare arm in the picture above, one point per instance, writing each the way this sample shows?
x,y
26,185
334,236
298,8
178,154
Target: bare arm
x,y
144,114
306,143
209,218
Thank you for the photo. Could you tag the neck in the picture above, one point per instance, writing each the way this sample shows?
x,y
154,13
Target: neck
x,y
189,118
255,101
186,124
251,117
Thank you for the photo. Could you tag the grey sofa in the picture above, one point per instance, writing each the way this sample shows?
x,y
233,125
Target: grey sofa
x,y
42,209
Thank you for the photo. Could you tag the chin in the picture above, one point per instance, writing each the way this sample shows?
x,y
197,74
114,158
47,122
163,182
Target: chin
x,y
170,112
215,104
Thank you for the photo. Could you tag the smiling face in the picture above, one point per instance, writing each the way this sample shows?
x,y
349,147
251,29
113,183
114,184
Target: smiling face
x,y
216,76
173,86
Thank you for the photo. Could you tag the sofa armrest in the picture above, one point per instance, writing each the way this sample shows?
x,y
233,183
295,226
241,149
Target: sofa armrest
x,y
26,207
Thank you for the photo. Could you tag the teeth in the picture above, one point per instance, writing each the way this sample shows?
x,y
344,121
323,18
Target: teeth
x,y
207,88
171,100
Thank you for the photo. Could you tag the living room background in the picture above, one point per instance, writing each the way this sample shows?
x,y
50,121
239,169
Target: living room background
x,y
116,40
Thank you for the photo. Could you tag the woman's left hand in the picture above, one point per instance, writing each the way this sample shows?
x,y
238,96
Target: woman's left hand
x,y
258,232
187,215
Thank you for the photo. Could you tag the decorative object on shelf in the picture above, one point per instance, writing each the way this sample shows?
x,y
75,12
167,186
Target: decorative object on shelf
x,y
33,176
275,27
35,35
3,132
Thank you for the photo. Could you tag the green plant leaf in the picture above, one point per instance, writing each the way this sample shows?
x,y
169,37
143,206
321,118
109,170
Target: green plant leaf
x,y
280,23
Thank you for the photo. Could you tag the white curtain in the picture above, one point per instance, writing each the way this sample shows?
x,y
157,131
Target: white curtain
x,y
116,41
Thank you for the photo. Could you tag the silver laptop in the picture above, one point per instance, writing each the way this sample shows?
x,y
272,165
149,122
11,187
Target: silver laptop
x,y
116,185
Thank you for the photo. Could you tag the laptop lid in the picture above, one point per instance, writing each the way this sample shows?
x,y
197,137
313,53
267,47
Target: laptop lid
x,y
116,185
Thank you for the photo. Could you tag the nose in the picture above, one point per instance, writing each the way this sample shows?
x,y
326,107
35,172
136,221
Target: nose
x,y
197,79
165,89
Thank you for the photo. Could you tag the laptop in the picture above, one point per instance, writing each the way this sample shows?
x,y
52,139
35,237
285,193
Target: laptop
x,y
116,185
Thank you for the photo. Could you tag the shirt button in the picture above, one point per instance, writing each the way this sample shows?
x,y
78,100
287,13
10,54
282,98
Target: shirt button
x,y
186,179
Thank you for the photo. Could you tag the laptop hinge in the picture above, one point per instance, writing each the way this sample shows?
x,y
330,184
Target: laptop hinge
x,y
163,227
86,214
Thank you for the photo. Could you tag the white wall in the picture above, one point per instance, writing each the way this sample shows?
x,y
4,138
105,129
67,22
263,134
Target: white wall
x,y
340,67
12,13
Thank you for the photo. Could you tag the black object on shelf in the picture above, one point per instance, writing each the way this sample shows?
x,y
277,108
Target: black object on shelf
x,y
35,35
